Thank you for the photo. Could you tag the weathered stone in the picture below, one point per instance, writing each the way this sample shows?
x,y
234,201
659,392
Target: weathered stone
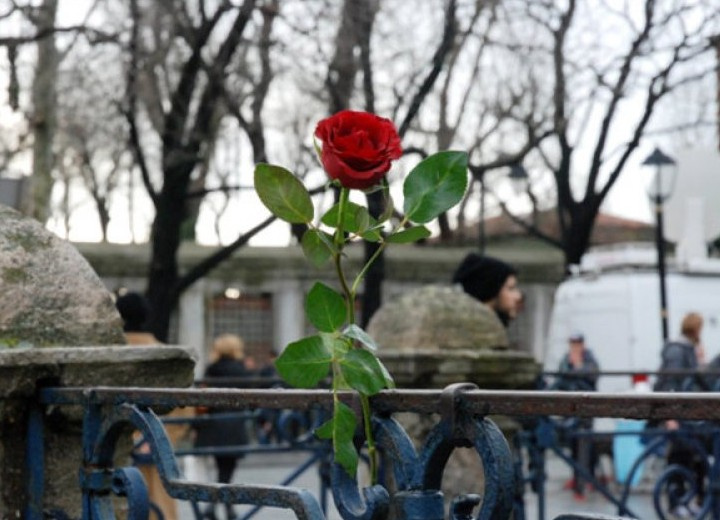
x,y
50,294
52,298
437,318
119,365
21,370
437,335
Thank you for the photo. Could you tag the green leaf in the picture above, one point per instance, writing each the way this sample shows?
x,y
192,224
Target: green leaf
x,y
354,332
341,429
389,381
304,363
408,235
356,218
435,185
336,344
372,234
317,247
283,194
325,308
362,371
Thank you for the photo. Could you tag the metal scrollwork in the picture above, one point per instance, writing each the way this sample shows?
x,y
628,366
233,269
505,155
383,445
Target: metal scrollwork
x,y
418,477
101,431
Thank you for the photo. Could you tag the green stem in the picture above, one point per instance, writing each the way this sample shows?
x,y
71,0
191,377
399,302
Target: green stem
x,y
372,259
372,451
339,237
339,240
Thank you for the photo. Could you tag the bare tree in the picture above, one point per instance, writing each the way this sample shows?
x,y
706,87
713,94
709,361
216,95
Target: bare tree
x,y
187,117
602,97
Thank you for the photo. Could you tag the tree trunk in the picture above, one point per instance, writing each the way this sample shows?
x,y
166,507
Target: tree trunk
x,y
577,236
163,275
44,119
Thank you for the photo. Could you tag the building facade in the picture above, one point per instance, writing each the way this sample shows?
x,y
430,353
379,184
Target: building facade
x,y
259,293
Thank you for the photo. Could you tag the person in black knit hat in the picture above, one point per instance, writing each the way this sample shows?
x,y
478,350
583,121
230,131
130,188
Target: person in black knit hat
x,y
491,281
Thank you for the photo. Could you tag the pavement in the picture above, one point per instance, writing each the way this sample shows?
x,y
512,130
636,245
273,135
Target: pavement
x,y
273,468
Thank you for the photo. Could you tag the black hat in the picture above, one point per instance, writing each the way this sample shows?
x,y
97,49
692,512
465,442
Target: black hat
x,y
134,310
483,276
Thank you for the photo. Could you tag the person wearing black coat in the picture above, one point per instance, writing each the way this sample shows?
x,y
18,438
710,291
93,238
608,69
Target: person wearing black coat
x,y
228,429
578,372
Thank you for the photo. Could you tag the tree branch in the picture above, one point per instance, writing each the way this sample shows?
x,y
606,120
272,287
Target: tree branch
x,y
446,45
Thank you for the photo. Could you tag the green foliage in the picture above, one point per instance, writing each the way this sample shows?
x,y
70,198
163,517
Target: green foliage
x,y
325,308
304,363
432,187
317,247
358,334
341,429
435,185
406,236
283,194
355,219
362,371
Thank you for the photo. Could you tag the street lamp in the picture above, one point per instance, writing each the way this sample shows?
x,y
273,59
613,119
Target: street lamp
x,y
518,177
659,190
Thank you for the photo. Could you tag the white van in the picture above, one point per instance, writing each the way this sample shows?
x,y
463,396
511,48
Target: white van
x,y
614,300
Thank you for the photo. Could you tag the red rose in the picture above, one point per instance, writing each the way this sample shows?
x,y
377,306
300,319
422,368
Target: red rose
x,y
358,147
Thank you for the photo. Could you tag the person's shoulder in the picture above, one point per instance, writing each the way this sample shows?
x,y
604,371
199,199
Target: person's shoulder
x,y
677,347
590,355
141,338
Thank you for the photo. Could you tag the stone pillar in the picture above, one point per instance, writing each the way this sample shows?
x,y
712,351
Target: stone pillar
x,y
191,322
437,335
54,311
23,370
288,314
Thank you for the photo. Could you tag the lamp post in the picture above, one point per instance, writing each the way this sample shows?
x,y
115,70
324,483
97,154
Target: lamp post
x,y
518,176
659,190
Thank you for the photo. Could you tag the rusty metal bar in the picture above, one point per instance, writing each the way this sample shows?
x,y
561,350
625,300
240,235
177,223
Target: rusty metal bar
x,y
675,405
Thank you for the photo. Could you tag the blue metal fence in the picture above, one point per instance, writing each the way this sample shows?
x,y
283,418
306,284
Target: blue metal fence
x,y
417,473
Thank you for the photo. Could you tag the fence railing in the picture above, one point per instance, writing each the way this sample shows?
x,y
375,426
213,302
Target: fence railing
x,y
462,412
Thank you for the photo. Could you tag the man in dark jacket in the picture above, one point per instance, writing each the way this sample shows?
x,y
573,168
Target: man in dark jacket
x,y
578,368
578,373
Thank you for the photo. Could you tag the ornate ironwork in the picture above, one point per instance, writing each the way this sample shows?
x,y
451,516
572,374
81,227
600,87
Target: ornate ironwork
x,y
417,473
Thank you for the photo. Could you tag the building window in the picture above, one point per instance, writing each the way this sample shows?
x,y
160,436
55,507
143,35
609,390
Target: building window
x,y
247,315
